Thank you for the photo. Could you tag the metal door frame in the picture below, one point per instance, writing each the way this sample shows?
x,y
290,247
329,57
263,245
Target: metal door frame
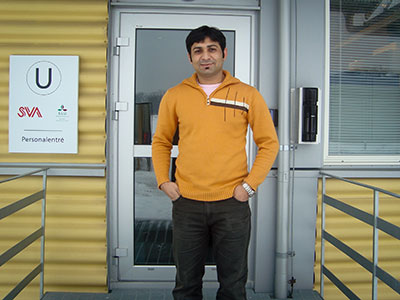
x,y
114,172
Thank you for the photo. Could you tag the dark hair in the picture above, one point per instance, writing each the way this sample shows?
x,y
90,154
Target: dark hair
x,y
199,34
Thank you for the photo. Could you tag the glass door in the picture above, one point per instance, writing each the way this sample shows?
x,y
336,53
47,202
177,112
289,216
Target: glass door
x,y
153,58
157,48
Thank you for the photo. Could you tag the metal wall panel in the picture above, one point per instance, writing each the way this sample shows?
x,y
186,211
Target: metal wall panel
x,y
76,247
76,250
358,236
62,27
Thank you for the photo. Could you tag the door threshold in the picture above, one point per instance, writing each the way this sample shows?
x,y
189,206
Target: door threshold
x,y
154,284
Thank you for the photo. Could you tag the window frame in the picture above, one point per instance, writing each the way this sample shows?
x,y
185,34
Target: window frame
x,y
344,160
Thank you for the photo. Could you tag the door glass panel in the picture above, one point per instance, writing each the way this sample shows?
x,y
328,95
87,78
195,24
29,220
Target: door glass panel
x,y
161,62
153,227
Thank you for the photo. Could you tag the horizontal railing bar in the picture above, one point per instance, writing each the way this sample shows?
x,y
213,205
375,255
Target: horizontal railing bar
x,y
340,285
354,255
362,184
376,222
389,228
20,204
23,175
56,170
176,5
51,165
350,210
10,253
388,279
20,286
30,239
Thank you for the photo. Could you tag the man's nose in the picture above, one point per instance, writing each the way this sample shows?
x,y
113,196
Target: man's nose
x,y
205,55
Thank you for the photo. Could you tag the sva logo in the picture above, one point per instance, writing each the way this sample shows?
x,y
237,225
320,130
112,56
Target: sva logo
x,y
26,111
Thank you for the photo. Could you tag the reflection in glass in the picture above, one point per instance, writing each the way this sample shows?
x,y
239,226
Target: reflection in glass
x,y
364,106
153,221
143,114
153,226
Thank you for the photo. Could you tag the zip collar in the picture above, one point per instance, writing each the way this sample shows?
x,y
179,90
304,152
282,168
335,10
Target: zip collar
x,y
229,79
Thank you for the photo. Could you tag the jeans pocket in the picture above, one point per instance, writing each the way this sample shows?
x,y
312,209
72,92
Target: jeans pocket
x,y
177,199
236,200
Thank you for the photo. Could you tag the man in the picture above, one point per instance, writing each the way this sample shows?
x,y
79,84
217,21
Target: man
x,y
210,197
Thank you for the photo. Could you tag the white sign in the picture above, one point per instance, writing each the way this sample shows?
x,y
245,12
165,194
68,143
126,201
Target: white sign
x,y
43,104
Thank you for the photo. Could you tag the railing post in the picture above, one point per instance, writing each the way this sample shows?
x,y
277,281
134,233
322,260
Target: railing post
x,y
40,233
375,246
43,234
371,219
322,236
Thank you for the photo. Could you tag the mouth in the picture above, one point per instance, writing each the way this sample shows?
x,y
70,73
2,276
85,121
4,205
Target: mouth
x,y
206,65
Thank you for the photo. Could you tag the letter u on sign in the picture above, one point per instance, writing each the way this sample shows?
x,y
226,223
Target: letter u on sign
x,y
43,78
48,79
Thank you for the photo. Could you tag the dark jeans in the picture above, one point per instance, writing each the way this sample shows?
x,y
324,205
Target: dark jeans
x,y
226,224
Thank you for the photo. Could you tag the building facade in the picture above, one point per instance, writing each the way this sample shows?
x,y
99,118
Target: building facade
x,y
107,224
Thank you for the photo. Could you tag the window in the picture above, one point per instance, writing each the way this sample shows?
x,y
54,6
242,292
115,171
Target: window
x,y
364,93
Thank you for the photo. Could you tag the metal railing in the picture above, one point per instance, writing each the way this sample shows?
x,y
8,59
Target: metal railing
x,y
371,219
40,233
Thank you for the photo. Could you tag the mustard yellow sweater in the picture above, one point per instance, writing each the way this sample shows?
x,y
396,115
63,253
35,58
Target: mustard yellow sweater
x,y
212,158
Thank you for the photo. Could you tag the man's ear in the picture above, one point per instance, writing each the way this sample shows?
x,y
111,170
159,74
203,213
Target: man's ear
x,y
225,53
190,57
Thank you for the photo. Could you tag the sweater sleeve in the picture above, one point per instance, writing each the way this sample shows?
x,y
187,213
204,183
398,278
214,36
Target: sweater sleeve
x,y
162,139
265,137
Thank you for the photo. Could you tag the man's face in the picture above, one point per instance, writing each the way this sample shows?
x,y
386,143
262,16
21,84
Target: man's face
x,y
208,59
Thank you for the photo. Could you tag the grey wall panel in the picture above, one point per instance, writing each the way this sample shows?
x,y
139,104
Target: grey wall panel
x,y
304,220
264,234
265,206
268,55
309,62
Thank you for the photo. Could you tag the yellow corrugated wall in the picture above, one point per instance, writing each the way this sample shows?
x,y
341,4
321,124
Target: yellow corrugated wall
x,y
75,235
358,235
62,27
76,247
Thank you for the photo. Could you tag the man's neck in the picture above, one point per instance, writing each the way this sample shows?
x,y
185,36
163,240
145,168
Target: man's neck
x,y
211,80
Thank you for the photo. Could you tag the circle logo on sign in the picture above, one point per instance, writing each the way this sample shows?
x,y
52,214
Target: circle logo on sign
x,y
43,78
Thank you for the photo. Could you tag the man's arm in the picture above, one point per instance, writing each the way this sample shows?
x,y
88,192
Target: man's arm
x,y
265,137
162,145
